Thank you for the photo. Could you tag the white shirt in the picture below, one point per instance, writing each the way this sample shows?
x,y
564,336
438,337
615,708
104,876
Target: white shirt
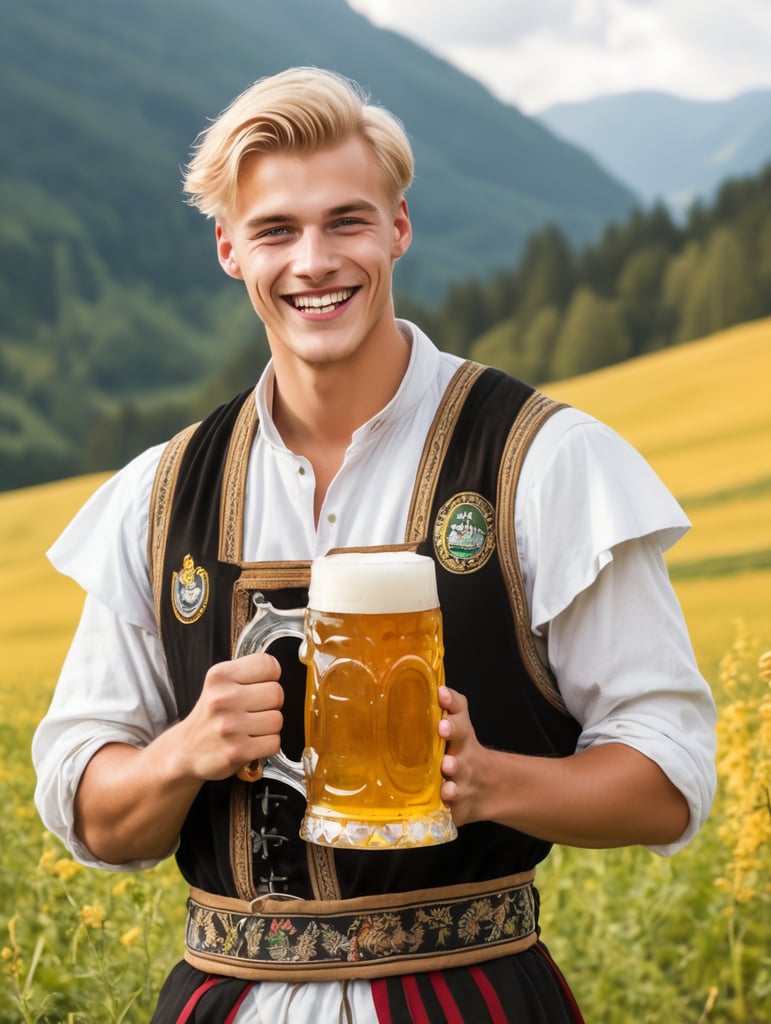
x,y
606,618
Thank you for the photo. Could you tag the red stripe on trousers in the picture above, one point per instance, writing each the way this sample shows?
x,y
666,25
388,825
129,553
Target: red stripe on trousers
x,y
379,989
490,996
563,984
194,999
414,1002
237,1005
449,1006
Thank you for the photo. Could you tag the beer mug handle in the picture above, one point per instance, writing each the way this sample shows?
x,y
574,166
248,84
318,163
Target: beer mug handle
x,y
267,625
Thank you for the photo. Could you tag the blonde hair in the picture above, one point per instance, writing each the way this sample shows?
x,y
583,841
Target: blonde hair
x,y
300,110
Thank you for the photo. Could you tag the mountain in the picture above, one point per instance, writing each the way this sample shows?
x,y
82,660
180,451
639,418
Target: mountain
x,y
104,100
114,314
669,148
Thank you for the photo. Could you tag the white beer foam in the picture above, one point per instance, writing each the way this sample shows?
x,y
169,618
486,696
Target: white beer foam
x,y
373,583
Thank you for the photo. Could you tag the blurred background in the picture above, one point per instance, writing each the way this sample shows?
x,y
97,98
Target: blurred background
x,y
570,205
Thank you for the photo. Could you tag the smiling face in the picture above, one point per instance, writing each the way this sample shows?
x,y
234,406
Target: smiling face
x,y
314,237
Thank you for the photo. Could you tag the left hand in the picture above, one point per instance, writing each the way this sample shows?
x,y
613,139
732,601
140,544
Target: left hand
x,y
463,762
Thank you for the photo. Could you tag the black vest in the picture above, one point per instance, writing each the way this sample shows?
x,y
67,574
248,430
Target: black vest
x,y
240,838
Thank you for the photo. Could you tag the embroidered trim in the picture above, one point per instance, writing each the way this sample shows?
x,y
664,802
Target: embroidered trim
x,y
322,872
234,483
262,576
533,414
240,848
435,448
161,498
366,937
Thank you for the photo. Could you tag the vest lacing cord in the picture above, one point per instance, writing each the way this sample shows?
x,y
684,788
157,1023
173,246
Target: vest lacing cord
x,y
346,1012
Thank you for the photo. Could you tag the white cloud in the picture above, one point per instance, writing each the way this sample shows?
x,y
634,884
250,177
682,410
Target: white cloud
x,y
536,52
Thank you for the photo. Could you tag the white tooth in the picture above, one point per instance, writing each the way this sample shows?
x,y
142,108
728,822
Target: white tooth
x,y
322,302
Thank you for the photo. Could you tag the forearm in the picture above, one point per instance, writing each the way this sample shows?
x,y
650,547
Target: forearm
x,y
605,796
131,802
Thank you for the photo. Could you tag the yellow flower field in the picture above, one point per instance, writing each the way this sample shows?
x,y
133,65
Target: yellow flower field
x,y
641,938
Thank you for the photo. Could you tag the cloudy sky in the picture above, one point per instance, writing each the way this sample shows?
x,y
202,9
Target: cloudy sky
x,y
537,52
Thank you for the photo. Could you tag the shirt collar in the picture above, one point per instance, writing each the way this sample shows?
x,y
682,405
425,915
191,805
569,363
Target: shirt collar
x,y
422,369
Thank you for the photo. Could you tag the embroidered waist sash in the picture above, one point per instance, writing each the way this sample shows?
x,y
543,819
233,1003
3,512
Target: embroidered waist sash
x,y
271,939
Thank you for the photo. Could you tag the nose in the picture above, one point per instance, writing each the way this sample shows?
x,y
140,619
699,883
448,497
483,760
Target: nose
x,y
315,255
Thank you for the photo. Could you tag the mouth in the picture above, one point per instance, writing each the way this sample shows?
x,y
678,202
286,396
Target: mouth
x,y
321,304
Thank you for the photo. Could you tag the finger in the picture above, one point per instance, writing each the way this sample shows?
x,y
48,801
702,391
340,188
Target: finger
x,y
265,724
449,792
451,701
255,668
449,766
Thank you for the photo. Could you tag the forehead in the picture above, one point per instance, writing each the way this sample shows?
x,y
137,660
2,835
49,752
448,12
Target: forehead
x,y
299,183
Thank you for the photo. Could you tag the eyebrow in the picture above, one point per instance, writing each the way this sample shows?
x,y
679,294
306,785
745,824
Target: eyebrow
x,y
277,219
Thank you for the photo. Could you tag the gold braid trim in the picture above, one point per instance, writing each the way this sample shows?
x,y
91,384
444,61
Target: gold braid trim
x,y
435,447
161,498
233,497
533,414
322,872
240,831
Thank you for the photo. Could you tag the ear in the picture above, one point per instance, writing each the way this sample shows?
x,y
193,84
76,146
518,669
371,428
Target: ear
x,y
402,230
225,253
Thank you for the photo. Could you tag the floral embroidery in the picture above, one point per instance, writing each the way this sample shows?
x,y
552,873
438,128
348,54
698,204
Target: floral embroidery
x,y
409,932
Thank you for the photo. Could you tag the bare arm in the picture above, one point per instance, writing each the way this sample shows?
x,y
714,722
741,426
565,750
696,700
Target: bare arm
x,y
131,802
608,795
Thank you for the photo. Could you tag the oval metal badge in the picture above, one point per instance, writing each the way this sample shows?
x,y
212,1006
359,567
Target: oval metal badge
x,y
189,591
464,532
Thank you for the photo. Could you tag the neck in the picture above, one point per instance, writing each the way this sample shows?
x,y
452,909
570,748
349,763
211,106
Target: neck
x,y
324,404
318,407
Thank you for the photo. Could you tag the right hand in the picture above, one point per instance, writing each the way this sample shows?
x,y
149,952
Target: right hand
x,y
237,719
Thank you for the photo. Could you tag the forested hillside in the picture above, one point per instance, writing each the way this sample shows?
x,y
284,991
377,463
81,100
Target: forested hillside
x,y
110,296
647,284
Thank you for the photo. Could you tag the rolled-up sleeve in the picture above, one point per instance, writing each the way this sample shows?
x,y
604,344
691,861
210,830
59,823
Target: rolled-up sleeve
x,y
113,688
627,672
592,522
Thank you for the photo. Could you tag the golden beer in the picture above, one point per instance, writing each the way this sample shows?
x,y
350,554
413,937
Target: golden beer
x,y
374,652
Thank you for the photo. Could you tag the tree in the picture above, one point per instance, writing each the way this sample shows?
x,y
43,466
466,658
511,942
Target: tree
x,y
538,343
639,293
719,290
545,275
592,335
499,347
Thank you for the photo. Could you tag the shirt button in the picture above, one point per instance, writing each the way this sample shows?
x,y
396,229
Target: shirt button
x,y
331,518
301,470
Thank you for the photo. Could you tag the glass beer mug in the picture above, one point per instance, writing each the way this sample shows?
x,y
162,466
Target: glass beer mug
x,y
372,643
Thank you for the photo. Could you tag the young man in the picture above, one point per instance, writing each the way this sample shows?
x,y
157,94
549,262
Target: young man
x,y
575,711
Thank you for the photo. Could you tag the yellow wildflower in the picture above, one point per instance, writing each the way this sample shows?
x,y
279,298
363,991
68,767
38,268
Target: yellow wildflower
x,y
47,859
130,937
93,915
120,887
764,667
65,868
6,953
